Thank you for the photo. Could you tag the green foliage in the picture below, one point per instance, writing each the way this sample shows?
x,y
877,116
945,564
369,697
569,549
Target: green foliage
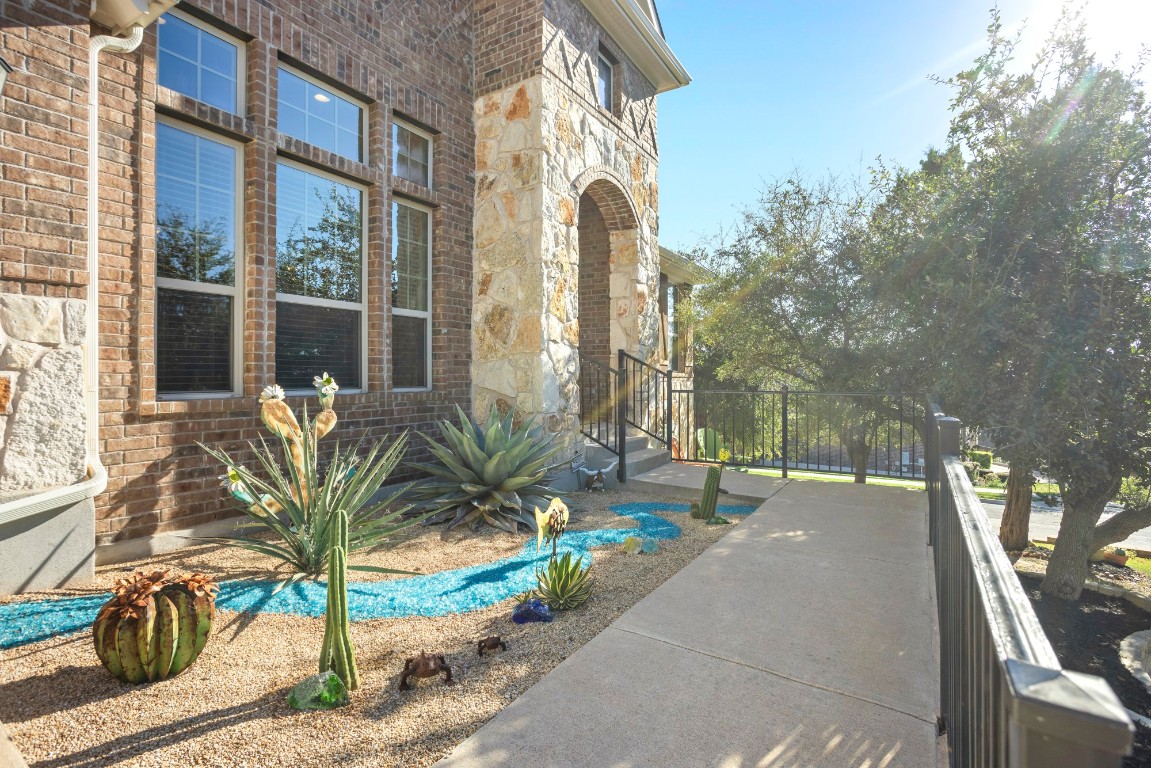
x,y
1134,494
710,492
337,652
982,458
308,502
489,473
564,583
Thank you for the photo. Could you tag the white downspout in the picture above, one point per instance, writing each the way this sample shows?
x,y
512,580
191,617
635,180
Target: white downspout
x,y
92,333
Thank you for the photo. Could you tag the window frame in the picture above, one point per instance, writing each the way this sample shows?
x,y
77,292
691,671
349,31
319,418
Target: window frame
x,y
241,60
398,122
603,56
236,291
426,315
318,83
292,298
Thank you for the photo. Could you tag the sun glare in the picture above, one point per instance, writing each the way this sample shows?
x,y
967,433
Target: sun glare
x,y
1116,29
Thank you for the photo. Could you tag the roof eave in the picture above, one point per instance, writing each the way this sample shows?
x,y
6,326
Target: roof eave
x,y
680,269
635,32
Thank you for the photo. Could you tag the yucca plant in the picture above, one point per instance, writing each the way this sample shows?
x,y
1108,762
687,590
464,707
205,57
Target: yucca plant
x,y
299,505
564,583
489,473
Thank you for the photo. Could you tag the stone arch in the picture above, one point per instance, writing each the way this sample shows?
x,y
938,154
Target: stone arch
x,y
607,189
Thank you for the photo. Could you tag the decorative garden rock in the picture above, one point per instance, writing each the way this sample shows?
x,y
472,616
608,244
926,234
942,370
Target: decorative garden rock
x,y
532,610
425,665
323,691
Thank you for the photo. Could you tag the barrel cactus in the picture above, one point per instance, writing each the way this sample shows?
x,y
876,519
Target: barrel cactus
x,y
153,628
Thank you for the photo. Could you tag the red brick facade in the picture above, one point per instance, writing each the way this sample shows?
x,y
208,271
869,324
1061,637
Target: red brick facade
x,y
414,64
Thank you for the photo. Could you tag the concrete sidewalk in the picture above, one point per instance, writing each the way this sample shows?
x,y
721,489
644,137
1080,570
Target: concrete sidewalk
x,y
805,637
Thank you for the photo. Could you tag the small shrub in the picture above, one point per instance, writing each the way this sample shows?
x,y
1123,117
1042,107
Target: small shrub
x,y
982,458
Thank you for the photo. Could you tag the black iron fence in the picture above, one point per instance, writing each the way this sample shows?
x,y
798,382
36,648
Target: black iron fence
x,y
599,404
1005,699
851,432
647,396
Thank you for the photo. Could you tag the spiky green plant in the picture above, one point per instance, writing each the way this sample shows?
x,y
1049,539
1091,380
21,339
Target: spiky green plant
x,y
489,473
298,503
337,652
564,583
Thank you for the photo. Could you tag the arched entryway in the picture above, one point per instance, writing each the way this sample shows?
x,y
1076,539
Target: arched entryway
x,y
608,254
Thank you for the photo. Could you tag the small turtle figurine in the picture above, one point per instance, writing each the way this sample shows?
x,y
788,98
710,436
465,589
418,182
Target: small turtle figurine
x,y
425,665
490,644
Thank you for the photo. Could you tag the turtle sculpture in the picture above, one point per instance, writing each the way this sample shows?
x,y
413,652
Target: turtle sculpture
x,y
425,665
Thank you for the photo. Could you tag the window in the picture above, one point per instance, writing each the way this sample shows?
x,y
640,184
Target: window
x,y
412,155
320,318
199,63
669,296
411,295
605,81
197,262
319,116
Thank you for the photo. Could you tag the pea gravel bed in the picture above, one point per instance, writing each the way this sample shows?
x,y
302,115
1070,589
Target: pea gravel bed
x,y
229,709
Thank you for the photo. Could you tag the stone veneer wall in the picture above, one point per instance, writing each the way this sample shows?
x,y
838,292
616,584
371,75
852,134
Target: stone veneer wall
x,y
541,144
42,416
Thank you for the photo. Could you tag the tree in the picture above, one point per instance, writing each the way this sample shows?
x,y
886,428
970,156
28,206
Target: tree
x,y
1035,277
795,301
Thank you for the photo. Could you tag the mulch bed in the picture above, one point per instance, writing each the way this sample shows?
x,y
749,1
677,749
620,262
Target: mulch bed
x,y
1086,636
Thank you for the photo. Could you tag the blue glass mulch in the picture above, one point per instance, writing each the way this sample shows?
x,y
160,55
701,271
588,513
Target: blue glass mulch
x,y
438,594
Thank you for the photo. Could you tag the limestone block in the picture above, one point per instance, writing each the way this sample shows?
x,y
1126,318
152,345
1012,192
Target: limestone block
x,y
20,356
30,318
490,224
520,106
497,376
46,434
505,253
75,321
498,322
513,138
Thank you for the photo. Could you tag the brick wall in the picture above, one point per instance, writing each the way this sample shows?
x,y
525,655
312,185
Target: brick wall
x,y
509,42
414,60
594,283
43,149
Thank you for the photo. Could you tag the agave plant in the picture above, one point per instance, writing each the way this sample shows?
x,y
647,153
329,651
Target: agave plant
x,y
564,583
489,473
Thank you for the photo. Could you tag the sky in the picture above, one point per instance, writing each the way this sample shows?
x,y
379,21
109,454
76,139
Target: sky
x,y
823,87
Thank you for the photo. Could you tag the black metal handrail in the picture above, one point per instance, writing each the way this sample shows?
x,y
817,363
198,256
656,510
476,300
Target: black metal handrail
x,y
647,394
879,432
597,390
1005,699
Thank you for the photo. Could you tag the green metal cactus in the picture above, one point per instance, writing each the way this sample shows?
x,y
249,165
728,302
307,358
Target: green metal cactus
x,y
337,652
710,492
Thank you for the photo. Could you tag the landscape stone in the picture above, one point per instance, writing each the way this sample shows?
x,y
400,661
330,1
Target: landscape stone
x,y
323,691
46,433
31,318
75,321
532,610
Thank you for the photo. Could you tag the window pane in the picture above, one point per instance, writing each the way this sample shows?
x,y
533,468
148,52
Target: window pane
x,y
319,238
410,257
193,342
319,116
197,63
604,83
195,207
311,340
411,155
409,351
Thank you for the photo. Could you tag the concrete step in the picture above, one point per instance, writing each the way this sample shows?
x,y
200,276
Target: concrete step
x,y
645,460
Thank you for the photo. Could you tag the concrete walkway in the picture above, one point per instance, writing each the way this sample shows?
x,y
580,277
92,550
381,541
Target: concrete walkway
x,y
805,637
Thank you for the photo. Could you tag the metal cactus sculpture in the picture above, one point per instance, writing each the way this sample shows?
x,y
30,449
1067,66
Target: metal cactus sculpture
x,y
710,493
337,652
153,629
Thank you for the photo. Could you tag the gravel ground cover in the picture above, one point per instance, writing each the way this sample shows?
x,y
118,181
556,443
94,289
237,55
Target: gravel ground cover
x,y
229,709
